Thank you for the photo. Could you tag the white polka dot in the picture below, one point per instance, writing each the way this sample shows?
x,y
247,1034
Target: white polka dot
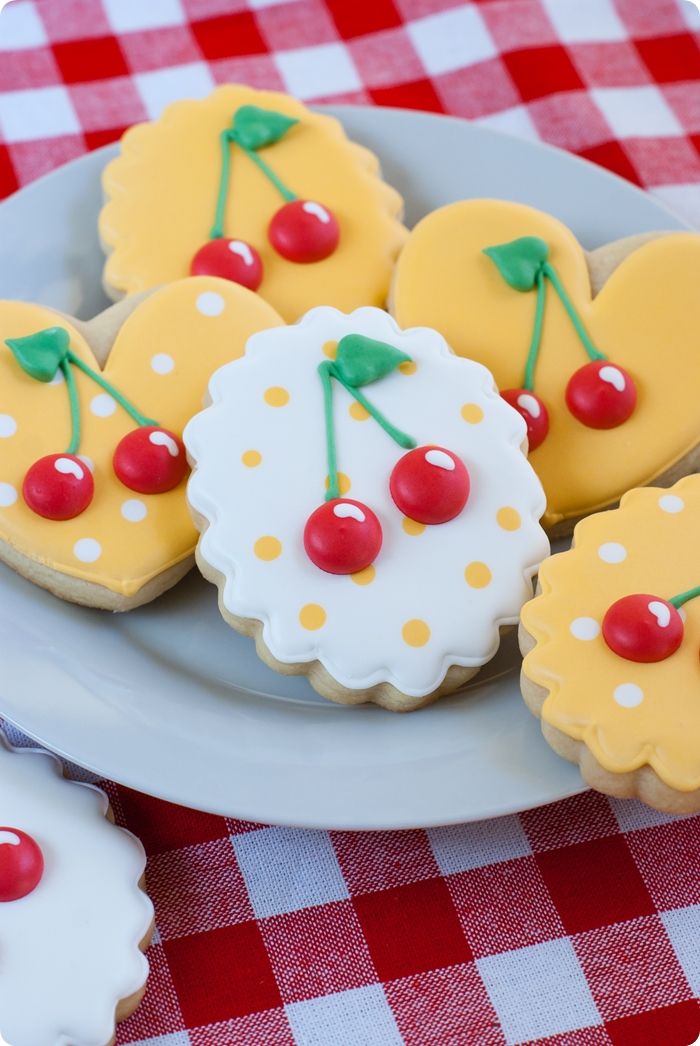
x,y
134,510
612,552
8,426
87,461
161,363
58,378
671,503
8,495
584,628
87,550
628,695
103,405
210,303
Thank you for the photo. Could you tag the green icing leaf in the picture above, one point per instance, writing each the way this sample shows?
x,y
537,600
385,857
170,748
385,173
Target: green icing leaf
x,y
360,360
254,128
520,261
41,354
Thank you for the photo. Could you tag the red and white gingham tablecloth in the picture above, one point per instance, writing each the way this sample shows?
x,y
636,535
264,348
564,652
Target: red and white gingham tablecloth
x,y
574,925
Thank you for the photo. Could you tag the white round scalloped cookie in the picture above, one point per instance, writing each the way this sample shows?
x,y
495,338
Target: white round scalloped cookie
x,y
437,597
69,951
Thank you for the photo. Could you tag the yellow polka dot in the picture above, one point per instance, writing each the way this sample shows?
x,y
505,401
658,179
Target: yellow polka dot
x,y
329,349
508,518
415,632
364,577
312,616
251,458
344,483
408,367
267,547
477,575
276,396
472,413
358,412
412,527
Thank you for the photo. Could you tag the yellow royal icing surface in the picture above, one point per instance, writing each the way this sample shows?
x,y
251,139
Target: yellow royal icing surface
x,y
645,319
162,193
628,714
161,360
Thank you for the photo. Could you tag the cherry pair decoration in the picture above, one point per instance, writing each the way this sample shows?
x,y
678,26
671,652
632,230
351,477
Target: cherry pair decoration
x,y
301,231
601,395
646,628
428,484
21,864
149,459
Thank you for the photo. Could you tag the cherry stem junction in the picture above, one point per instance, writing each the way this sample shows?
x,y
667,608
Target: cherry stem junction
x,y
685,597
226,139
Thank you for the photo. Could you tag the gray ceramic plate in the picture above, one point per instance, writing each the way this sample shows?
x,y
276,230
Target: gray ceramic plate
x,y
168,699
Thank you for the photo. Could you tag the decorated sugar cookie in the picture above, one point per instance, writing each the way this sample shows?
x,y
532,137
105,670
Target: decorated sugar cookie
x,y
612,648
609,384
366,507
253,187
92,467
74,921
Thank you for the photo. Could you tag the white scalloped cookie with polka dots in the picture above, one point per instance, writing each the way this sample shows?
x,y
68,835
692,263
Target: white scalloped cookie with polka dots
x,y
74,920
366,507
92,468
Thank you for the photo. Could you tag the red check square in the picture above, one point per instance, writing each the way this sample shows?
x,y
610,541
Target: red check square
x,y
410,929
671,59
353,19
81,61
419,94
613,156
673,1026
165,826
668,857
8,178
230,34
539,71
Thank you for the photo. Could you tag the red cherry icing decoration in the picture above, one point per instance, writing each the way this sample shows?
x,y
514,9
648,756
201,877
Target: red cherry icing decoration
x,y
233,260
430,485
58,486
601,395
643,628
150,460
21,864
304,231
342,536
532,409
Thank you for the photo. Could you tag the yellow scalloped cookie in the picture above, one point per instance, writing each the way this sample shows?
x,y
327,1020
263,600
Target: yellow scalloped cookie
x,y
617,373
279,197
139,370
612,648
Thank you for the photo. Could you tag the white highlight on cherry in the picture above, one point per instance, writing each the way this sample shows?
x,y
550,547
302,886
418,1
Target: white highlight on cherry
x,y
661,612
8,495
612,552
671,503
8,426
162,363
68,467
613,376
628,695
242,250
441,459
584,628
209,303
317,210
162,439
9,839
345,511
134,510
87,550
529,404
102,405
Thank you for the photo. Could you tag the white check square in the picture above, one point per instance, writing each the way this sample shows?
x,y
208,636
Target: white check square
x,y
130,16
516,121
20,27
631,814
451,40
43,112
461,847
584,21
163,86
636,112
317,72
360,1017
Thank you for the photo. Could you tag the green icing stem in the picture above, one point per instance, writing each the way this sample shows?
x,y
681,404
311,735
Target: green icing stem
x,y
74,407
588,345
533,351
685,597
333,489
402,438
217,229
123,402
282,189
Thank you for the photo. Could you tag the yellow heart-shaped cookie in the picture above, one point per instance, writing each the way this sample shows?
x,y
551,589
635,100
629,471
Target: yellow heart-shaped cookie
x,y
645,319
125,548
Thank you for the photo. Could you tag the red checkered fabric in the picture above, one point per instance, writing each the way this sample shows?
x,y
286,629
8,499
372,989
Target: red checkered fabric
x,y
574,925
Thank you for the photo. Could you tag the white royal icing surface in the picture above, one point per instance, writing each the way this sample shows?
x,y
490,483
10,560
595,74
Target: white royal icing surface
x,y
417,576
69,951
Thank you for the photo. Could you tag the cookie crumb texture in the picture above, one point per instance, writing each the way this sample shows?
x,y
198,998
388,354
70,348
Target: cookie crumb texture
x,y
426,611
162,195
633,726
71,947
